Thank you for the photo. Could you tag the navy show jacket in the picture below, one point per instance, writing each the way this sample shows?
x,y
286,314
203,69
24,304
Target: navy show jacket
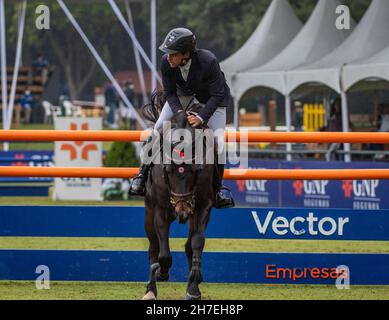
x,y
205,81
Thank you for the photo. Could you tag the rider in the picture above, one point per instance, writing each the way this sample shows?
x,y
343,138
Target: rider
x,y
190,75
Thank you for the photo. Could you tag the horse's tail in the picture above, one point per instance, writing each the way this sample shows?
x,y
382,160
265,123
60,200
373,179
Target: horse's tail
x,y
151,111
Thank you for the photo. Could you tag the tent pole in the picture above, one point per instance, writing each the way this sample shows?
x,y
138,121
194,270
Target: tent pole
x,y
101,62
21,25
136,54
3,54
236,113
327,101
153,38
136,42
288,123
345,125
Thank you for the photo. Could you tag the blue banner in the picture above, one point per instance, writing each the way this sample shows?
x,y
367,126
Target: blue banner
x,y
276,268
238,223
26,158
347,194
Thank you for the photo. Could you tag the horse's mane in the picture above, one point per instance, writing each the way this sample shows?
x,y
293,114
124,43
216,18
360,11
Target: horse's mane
x,y
152,110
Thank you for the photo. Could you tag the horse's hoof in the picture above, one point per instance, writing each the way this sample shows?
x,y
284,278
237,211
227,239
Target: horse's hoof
x,y
188,296
149,296
162,277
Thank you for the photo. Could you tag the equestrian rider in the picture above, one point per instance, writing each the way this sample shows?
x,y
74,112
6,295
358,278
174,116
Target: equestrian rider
x,y
190,75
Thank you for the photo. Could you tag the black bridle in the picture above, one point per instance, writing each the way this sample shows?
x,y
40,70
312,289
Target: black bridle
x,y
188,197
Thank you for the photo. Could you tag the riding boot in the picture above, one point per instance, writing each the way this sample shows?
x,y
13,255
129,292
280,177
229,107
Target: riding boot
x,y
138,183
223,194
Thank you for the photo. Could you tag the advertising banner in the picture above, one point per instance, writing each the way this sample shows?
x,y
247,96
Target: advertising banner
x,y
345,194
340,270
78,154
237,223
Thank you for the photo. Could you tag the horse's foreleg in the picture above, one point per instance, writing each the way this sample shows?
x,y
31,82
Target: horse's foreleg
x,y
195,275
189,251
164,257
151,288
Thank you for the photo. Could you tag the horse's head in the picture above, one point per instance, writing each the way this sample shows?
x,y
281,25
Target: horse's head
x,y
185,162
181,175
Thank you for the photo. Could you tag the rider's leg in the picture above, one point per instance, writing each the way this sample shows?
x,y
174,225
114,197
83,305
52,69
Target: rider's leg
x,y
138,183
218,124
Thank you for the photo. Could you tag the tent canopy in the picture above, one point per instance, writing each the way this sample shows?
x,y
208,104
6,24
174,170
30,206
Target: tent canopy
x,y
375,68
368,38
277,28
318,37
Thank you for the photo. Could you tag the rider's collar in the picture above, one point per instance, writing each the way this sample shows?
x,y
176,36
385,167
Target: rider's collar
x,y
187,66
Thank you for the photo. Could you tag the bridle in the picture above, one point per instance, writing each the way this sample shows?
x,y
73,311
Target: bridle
x,y
189,197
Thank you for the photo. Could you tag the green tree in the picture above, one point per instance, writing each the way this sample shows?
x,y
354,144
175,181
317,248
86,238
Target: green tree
x,y
121,154
220,25
63,44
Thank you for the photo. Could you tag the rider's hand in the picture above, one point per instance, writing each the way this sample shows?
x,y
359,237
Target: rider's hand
x,y
194,121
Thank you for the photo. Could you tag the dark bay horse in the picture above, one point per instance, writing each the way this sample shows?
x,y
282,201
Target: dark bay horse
x,y
183,192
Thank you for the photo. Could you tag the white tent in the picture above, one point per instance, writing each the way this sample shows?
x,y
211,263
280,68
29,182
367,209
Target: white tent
x,y
277,28
369,37
374,68
318,37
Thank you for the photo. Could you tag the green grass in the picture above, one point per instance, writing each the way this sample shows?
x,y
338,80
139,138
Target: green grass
x,y
26,290
211,245
47,201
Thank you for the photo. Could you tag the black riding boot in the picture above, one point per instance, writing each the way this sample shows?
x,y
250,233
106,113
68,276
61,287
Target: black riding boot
x,y
223,194
138,183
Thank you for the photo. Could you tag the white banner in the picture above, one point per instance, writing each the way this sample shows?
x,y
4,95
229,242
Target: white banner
x,y
78,154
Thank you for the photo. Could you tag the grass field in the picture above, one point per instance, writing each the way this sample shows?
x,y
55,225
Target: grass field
x,y
126,290
22,290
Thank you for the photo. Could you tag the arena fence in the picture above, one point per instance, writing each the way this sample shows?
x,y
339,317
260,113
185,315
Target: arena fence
x,y
230,174
244,223
231,136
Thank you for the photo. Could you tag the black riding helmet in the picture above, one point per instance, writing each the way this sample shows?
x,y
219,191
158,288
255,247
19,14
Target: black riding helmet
x,y
179,40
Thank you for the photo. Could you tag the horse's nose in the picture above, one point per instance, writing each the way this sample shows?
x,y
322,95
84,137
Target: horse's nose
x,y
183,211
182,217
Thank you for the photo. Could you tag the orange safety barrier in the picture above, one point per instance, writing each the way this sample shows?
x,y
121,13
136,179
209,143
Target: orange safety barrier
x,y
230,174
231,136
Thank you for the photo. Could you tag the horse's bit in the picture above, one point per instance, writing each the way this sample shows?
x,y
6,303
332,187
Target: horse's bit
x,y
189,197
